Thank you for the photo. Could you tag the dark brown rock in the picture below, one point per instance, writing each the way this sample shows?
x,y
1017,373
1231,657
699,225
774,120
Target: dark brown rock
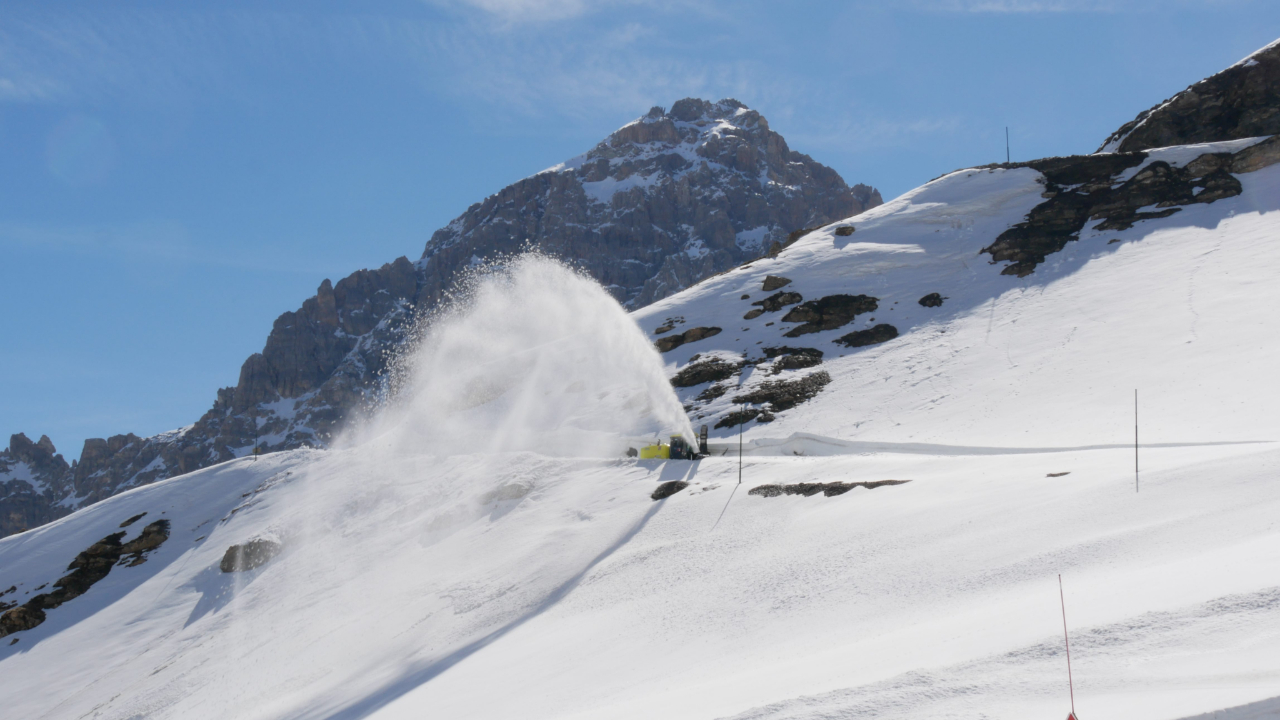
x,y
1239,102
250,555
773,282
810,489
789,358
711,393
1083,188
931,300
871,336
1255,157
19,619
785,394
87,568
132,520
738,417
777,301
710,370
671,342
797,234
152,536
669,488
828,313
844,230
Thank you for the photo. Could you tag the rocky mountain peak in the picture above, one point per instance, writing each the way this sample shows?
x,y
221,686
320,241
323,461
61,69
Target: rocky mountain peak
x,y
1242,101
666,200
34,453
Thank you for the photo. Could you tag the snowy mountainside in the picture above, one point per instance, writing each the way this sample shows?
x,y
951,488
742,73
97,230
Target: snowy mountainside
x,y
936,406
922,267
659,205
409,579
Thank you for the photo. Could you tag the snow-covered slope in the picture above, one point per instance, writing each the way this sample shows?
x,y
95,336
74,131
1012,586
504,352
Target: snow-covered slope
x,y
1048,359
415,582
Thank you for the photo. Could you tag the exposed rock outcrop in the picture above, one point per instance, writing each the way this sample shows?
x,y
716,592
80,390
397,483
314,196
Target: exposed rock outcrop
x,y
88,567
830,489
1081,188
671,342
668,488
773,282
250,555
709,370
776,396
789,358
664,202
1240,102
828,313
881,333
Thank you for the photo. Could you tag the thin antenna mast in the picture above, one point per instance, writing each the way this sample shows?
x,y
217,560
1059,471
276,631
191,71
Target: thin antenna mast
x,y
742,409
1070,684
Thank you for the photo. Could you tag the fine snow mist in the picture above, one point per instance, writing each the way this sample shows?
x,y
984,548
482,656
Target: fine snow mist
x,y
531,356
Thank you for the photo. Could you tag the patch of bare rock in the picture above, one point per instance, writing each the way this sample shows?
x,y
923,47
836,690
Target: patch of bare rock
x,y
828,313
773,282
671,342
883,332
1084,188
88,567
775,396
668,488
250,555
814,488
712,369
1240,102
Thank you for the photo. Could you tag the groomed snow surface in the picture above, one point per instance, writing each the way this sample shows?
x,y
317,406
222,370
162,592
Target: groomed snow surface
x,y
515,584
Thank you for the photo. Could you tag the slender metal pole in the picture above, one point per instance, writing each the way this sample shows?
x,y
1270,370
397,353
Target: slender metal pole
x,y
1135,441
1006,144
741,412
742,409
1070,684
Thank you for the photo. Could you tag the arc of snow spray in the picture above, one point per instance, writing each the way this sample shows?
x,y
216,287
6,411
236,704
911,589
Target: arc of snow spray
x,y
1070,684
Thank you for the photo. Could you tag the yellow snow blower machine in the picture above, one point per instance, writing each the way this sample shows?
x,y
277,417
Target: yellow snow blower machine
x,y
677,449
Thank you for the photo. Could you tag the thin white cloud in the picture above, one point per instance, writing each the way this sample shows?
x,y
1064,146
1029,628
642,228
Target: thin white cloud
x,y
511,12
1027,6
154,242
1063,6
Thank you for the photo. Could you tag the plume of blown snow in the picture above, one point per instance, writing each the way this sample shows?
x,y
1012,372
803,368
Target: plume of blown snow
x,y
530,355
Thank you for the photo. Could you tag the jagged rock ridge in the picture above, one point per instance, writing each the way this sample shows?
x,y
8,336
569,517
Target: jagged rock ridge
x,y
1242,101
664,202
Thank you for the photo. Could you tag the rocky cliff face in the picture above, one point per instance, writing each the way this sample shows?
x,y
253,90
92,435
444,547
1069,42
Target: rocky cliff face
x,y
33,477
1242,101
664,202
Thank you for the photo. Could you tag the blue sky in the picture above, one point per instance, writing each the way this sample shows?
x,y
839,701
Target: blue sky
x,y
173,176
